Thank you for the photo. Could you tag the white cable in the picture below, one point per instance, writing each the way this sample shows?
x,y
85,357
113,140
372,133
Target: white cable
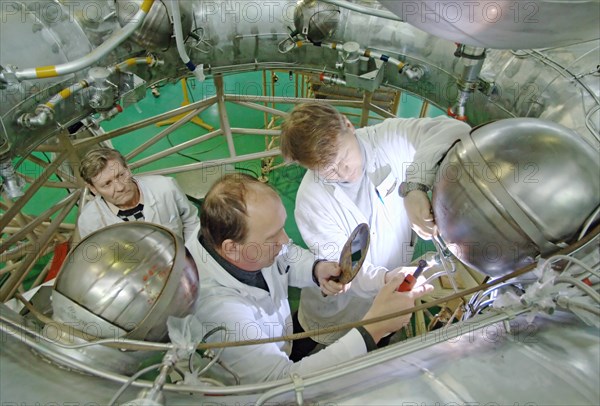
x,y
198,71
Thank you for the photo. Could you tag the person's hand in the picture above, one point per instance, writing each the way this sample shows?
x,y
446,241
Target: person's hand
x,y
401,271
388,301
420,215
326,273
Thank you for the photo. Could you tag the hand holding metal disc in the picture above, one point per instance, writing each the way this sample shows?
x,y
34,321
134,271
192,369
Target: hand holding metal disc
x,y
354,253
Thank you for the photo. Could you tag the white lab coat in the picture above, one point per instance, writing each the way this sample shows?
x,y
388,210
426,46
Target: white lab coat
x,y
396,149
251,313
164,204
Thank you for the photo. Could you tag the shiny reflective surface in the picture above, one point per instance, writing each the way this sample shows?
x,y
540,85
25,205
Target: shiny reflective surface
x,y
354,253
316,20
132,275
559,354
512,189
503,24
156,32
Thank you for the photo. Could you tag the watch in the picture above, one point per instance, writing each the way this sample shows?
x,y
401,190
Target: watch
x,y
406,187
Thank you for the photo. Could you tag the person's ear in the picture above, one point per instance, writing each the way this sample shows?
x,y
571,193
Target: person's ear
x,y
92,188
230,250
348,122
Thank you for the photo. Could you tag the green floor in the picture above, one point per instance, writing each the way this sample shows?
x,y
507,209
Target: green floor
x,y
285,180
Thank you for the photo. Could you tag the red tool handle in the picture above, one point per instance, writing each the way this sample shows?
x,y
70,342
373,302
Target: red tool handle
x,y
407,284
409,281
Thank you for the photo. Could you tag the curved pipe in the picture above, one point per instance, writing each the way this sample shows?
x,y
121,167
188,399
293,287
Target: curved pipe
x,y
45,112
198,71
91,58
369,53
149,60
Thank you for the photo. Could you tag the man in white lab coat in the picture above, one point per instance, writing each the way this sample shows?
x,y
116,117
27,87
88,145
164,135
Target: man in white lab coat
x,y
120,196
356,176
246,263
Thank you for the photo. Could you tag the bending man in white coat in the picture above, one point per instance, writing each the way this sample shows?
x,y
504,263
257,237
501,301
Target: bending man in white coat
x,y
246,263
120,196
356,176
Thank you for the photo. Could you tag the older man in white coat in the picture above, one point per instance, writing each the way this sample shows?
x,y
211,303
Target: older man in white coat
x,y
120,196
355,176
246,263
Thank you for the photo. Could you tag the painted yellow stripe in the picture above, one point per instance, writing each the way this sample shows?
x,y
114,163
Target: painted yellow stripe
x,y
149,60
46,71
367,53
146,5
299,43
50,105
334,45
130,62
65,93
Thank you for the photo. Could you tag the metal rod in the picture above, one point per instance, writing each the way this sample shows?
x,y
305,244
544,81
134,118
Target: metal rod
x,y
215,162
175,149
164,133
12,212
261,108
88,142
16,279
39,220
364,115
225,125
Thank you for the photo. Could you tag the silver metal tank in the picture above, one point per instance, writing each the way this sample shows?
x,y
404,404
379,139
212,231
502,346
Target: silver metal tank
x,y
126,279
156,32
513,189
503,24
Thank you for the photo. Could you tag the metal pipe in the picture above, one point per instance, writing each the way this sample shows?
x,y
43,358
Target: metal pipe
x,y
473,58
98,53
224,119
216,162
175,149
40,181
11,183
39,220
9,287
149,60
172,128
265,109
570,304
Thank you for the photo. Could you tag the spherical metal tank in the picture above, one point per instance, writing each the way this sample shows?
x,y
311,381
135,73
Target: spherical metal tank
x,y
317,20
156,32
127,279
503,24
513,189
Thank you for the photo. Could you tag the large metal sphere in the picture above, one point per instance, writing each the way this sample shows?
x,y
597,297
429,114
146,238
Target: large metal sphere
x,y
513,189
126,279
502,24
317,20
156,32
